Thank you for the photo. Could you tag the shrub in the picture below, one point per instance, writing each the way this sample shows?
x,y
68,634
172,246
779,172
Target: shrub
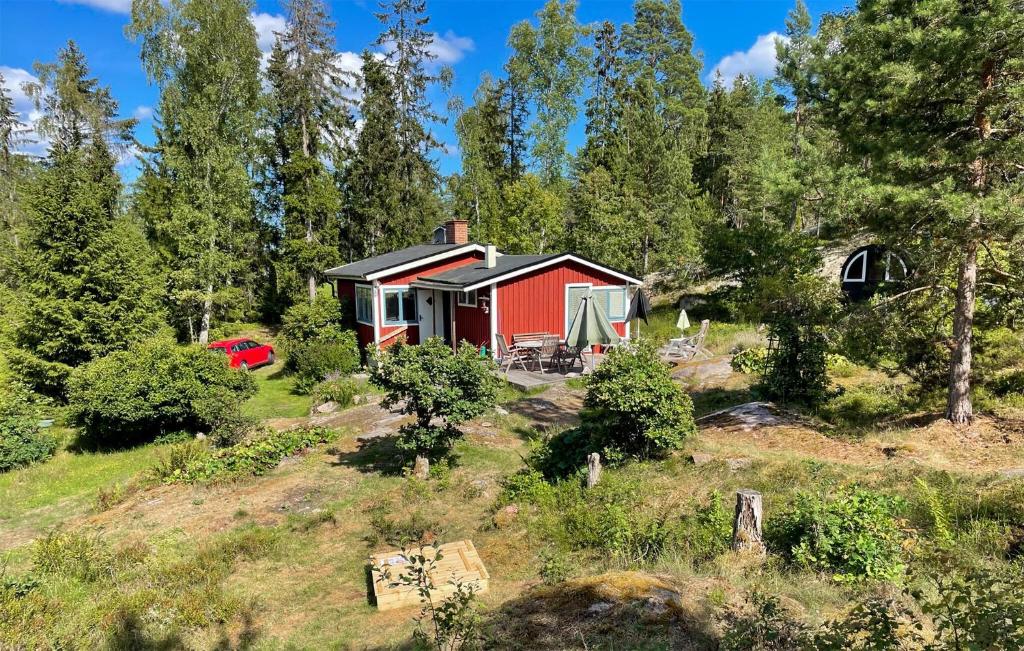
x,y
800,312
21,440
562,454
316,343
341,391
982,610
751,360
853,533
317,360
527,486
189,463
415,528
708,532
872,624
633,408
321,320
762,624
432,382
156,388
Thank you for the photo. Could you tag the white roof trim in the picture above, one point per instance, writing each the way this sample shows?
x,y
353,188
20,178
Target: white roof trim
x,y
547,263
406,266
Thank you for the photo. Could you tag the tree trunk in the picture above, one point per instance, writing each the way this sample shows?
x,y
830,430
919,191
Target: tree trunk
x,y
593,469
746,528
421,468
204,324
958,409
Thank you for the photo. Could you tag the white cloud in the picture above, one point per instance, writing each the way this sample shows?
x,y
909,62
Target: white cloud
x,y
23,105
451,48
115,6
266,24
759,60
142,112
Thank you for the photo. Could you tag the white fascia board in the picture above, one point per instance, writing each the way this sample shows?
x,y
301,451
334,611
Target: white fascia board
x,y
451,253
568,257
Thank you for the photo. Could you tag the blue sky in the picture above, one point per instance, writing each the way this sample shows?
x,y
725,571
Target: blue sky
x,y
735,36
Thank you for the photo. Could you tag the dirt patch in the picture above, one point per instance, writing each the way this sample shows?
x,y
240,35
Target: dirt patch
x,y
557,407
623,609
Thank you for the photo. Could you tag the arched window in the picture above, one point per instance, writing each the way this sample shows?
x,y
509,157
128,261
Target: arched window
x,y
870,267
856,268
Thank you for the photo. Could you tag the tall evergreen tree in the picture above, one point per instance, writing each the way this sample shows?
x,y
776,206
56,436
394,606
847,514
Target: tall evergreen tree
x,y
13,171
407,46
200,212
376,223
928,96
550,62
311,122
88,279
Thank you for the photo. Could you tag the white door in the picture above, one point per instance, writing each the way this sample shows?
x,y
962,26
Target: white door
x,y
425,303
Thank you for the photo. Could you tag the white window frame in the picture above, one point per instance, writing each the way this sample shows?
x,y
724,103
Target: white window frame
x,y
400,289
888,265
863,257
473,302
373,305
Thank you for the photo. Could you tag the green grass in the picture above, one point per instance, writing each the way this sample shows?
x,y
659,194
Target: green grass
x,y
722,337
275,397
43,495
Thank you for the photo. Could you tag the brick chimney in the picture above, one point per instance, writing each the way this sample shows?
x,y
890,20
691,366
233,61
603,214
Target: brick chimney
x,y
456,231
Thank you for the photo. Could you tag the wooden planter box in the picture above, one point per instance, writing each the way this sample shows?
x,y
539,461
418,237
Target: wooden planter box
x,y
459,562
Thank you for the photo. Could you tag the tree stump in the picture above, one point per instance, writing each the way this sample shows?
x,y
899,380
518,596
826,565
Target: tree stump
x,y
593,469
421,469
746,528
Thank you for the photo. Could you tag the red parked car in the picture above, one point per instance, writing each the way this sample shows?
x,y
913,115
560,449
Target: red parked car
x,y
244,353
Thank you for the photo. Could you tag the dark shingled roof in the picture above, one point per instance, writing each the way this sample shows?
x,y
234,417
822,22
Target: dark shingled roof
x,y
362,268
471,274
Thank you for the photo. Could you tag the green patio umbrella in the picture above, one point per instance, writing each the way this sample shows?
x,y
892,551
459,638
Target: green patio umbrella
x,y
590,326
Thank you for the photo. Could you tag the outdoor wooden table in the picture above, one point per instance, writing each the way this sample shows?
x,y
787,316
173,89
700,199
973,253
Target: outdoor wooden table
x,y
532,346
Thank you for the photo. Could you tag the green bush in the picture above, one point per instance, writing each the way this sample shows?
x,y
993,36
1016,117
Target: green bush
x,y
342,391
751,360
526,486
853,533
762,624
562,454
708,532
316,343
432,382
188,463
633,408
321,320
318,360
21,440
156,388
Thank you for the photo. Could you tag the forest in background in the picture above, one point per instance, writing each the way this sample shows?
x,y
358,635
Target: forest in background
x,y
261,177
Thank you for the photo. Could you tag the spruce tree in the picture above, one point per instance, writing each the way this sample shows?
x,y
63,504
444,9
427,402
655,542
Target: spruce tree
x,y
375,221
203,56
311,121
407,49
926,96
88,279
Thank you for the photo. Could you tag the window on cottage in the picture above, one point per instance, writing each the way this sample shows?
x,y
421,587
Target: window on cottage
x,y
399,306
364,304
467,299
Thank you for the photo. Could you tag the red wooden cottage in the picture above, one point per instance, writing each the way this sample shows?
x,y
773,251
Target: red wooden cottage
x,y
460,290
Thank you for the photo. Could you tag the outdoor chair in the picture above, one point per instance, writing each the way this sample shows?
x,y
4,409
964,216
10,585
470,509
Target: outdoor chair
x,y
549,350
508,356
689,347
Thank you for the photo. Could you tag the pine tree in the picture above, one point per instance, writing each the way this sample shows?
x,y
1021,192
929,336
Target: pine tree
x,y
88,278
374,181
927,96
311,122
14,170
203,56
603,107
407,46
